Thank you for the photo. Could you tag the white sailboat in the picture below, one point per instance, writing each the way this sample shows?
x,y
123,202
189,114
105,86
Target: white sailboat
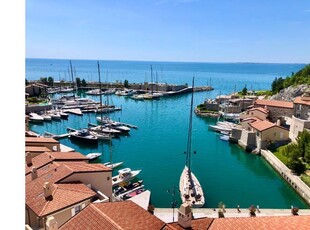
x,y
99,132
190,189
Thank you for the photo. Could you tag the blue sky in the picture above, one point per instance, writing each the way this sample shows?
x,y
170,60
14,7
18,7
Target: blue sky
x,y
169,30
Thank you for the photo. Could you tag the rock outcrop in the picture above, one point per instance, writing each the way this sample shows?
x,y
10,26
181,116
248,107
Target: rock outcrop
x,y
288,94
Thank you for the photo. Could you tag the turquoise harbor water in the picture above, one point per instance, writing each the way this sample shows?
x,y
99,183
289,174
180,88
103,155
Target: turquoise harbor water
x,y
224,170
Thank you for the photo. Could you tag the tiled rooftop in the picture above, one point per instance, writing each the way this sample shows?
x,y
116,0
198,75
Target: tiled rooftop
x,y
263,223
260,109
114,215
36,149
262,125
201,223
273,103
63,195
40,140
48,157
68,156
300,100
251,119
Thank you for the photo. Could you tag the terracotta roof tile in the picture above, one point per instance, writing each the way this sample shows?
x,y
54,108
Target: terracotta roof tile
x,y
40,140
114,215
262,125
251,119
52,175
63,195
273,103
199,223
42,171
68,156
36,149
266,111
257,223
48,157
82,166
38,162
300,100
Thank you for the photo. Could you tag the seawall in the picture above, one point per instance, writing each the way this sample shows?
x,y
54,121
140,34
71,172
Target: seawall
x,y
294,181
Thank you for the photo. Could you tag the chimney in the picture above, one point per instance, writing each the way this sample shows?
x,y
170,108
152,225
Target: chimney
x,y
28,159
51,223
185,216
47,190
278,122
34,173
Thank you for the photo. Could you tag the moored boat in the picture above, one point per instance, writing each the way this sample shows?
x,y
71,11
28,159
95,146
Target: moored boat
x,y
189,186
101,135
34,117
93,156
224,137
190,189
115,165
119,190
84,136
46,117
63,115
220,128
124,175
133,193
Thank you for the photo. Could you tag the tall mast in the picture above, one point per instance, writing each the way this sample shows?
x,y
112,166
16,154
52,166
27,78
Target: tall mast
x,y
189,138
152,78
72,74
100,93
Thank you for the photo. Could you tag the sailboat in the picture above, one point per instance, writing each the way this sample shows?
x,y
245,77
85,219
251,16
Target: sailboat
x,y
99,133
152,94
190,189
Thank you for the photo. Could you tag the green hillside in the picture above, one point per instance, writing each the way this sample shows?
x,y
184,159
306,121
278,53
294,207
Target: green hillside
x,y
301,77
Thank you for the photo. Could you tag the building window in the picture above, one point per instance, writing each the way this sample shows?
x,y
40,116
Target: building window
x,y
77,209
108,178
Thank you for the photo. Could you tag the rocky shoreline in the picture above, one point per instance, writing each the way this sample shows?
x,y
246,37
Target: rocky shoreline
x,y
206,114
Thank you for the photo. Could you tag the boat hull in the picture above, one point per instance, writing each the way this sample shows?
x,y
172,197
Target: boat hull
x,y
117,181
197,200
84,139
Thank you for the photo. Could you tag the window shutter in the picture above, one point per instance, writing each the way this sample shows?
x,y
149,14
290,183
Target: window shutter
x,y
72,211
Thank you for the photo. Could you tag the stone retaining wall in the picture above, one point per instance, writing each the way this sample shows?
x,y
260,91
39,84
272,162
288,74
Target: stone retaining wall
x,y
286,173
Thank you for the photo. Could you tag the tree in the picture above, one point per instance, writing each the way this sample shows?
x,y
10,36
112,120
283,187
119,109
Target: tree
x,y
291,150
126,84
244,91
43,80
303,140
307,154
26,82
50,81
78,82
84,84
296,165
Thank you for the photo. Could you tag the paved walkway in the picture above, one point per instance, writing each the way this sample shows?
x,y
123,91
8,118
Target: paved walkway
x,y
166,214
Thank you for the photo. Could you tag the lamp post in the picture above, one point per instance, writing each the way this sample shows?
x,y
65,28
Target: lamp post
x,y
173,202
